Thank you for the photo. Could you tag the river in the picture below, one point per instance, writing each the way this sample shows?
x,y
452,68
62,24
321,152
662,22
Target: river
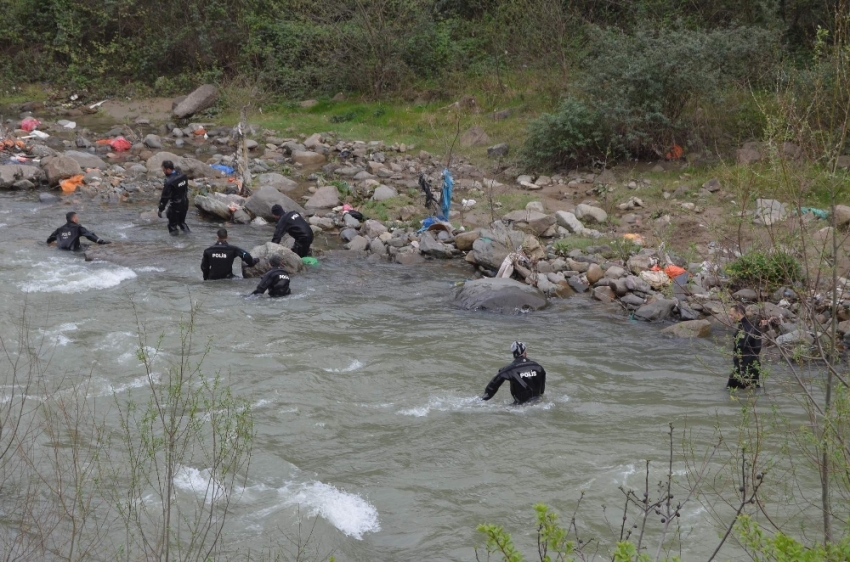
x,y
364,386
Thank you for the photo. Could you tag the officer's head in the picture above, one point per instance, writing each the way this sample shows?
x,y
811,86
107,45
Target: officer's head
x,y
277,211
71,217
738,311
167,166
275,260
518,348
222,234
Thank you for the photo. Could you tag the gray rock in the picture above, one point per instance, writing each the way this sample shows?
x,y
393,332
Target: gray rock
x,y
615,272
749,153
531,221
326,197
291,263
212,206
795,337
569,221
474,136
689,329
687,313
603,294
47,198
261,202
712,185
499,150
278,181
348,234
377,247
358,244
240,216
87,159
535,206
372,228
10,174
350,221
82,142
632,300
659,309
499,295
746,295
431,247
769,212
409,258
594,273
152,141
639,263
199,100
842,215
577,285
465,240
324,223
488,253
382,193
177,133
307,157
591,213
58,168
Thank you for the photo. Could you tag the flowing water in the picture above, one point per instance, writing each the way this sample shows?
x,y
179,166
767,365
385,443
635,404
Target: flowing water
x,y
364,385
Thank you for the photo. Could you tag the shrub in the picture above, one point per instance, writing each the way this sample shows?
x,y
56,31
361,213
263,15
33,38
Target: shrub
x,y
765,269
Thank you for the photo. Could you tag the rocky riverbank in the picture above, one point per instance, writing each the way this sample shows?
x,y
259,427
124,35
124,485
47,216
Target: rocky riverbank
x,y
323,176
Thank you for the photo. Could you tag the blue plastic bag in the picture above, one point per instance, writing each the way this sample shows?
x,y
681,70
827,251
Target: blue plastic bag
x,y
222,168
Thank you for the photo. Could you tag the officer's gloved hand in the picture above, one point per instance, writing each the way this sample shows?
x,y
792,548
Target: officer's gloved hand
x,y
159,214
256,261
101,241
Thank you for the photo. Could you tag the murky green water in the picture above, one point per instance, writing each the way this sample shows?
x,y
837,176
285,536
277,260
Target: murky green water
x,y
364,384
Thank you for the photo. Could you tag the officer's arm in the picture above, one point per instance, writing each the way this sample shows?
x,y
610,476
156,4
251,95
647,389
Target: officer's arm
x,y
205,266
493,387
279,230
89,234
52,237
166,196
265,282
246,257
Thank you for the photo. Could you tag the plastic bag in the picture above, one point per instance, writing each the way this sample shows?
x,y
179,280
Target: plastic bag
x,y
656,279
673,271
120,144
222,168
29,124
308,260
71,184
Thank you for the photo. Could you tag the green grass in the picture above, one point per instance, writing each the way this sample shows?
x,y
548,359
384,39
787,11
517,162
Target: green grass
x,y
514,201
24,93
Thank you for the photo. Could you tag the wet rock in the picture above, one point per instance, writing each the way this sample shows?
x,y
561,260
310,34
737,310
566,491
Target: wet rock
x,y
261,202
58,168
488,253
659,309
307,158
82,142
152,141
383,193
499,295
632,301
358,244
576,284
499,150
409,258
324,223
199,100
87,159
326,197
348,234
240,216
591,213
290,262
431,247
604,294
213,207
465,240
687,313
10,174
47,198
689,329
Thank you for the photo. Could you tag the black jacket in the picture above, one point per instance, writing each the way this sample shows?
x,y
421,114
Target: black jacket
x,y
218,260
175,190
276,282
747,346
67,237
527,378
293,223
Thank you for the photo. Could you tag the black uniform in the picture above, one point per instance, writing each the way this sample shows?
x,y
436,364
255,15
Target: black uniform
x,y
293,223
527,378
745,357
276,282
176,192
218,260
67,237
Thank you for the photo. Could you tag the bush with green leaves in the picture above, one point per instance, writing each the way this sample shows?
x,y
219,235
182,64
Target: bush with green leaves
x,y
765,269
575,134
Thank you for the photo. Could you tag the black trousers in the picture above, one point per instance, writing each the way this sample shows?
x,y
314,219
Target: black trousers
x,y
302,247
745,374
177,216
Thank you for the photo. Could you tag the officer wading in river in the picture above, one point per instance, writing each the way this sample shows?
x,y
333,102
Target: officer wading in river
x,y
293,223
67,237
276,281
175,194
527,377
745,352
217,262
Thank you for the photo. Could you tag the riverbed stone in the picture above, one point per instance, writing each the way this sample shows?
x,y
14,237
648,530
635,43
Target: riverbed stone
x,y
47,198
577,285
307,157
261,202
488,253
639,263
326,197
659,309
383,193
348,234
87,159
377,247
465,240
431,247
603,294
152,141
212,206
409,258
200,99
689,329
594,273
769,212
499,295
358,244
591,213
10,174
746,295
290,261
58,168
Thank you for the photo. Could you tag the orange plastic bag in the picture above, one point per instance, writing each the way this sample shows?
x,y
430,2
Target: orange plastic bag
x,y
673,271
71,184
675,153
120,144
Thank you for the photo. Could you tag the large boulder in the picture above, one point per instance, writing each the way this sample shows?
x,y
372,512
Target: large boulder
x,y
499,295
261,202
429,246
531,221
58,168
590,213
199,100
659,309
842,215
290,260
465,240
307,157
326,197
191,167
383,192
569,221
87,159
213,207
13,173
278,181
689,329
488,253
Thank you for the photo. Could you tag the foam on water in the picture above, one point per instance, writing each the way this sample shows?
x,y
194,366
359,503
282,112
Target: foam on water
x,y
64,277
348,512
444,404
352,367
198,482
150,268
57,336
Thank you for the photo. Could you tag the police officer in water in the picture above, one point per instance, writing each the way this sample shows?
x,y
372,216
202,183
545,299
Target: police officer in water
x,y
275,281
217,262
67,237
293,223
175,194
527,377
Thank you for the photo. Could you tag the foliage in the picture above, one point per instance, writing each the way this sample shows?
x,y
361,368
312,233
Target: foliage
x,y
574,135
783,548
765,269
